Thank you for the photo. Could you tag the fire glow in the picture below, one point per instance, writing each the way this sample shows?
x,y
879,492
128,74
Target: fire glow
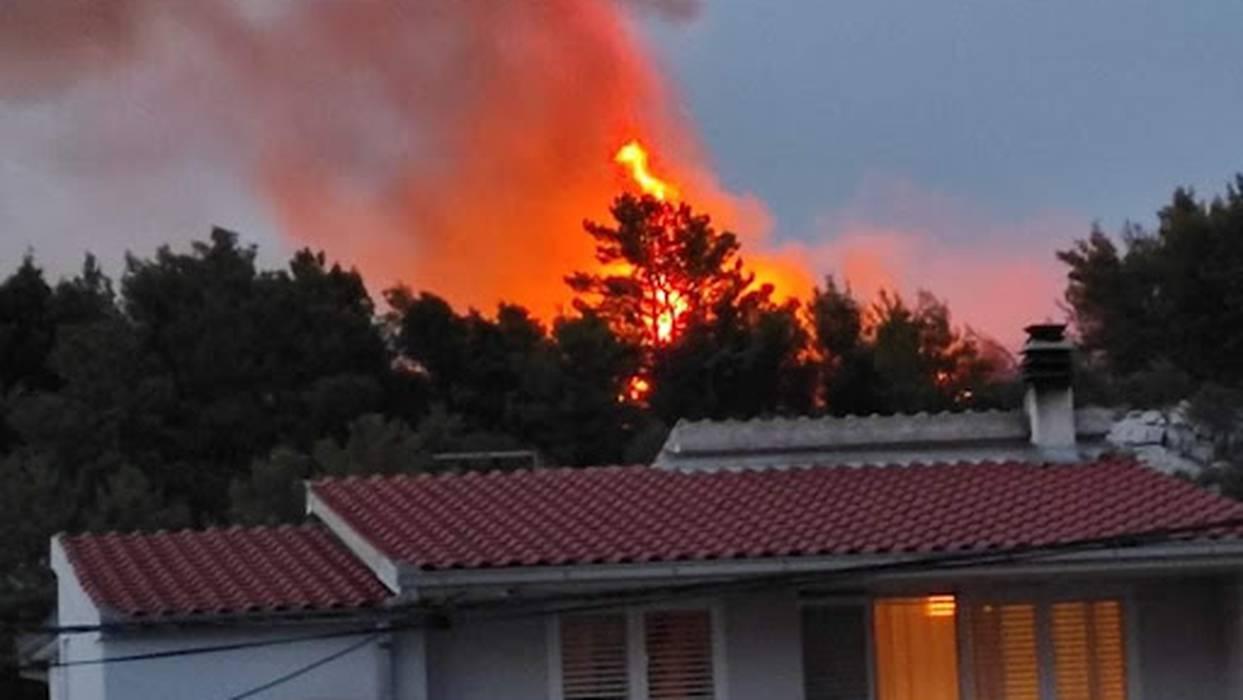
x,y
634,156
667,305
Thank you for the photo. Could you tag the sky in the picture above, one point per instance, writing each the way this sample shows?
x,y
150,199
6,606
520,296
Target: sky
x,y
952,146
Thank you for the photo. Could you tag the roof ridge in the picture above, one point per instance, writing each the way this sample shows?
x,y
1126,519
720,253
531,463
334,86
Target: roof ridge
x,y
210,529
491,473
805,418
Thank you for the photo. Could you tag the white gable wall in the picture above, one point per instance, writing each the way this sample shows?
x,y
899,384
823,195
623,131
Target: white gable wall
x,y
74,607
212,676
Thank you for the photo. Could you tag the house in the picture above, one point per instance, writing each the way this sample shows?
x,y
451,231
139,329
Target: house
x,y
770,567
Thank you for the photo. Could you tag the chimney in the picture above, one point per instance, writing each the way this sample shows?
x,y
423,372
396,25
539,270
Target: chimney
x,y
1050,405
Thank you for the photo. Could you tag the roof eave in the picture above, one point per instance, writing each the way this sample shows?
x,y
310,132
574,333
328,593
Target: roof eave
x,y
1183,557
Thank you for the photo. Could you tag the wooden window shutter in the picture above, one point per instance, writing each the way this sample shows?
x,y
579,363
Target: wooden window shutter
x,y
1004,655
679,654
594,663
1088,650
835,663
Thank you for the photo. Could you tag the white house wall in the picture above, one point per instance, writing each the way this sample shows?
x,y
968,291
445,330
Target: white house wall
x,y
763,646
489,660
213,676
510,658
1185,638
1184,650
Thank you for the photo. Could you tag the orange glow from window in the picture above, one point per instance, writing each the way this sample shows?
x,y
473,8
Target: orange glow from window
x,y
940,606
916,651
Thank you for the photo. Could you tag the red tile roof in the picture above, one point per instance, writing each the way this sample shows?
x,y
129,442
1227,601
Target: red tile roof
x,y
645,514
221,571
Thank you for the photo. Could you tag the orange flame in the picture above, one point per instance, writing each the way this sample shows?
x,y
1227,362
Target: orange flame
x,y
634,156
636,391
666,304
669,308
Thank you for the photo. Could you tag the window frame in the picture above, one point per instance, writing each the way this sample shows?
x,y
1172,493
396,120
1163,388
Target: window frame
x,y
1043,601
869,630
636,654
1041,598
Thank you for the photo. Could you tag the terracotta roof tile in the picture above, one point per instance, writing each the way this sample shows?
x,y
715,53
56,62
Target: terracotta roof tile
x,y
642,514
221,571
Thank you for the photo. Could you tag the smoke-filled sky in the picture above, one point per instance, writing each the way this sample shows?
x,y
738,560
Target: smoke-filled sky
x,y
952,145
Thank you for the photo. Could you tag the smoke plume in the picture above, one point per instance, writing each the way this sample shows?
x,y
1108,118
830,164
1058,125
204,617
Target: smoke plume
x,y
454,146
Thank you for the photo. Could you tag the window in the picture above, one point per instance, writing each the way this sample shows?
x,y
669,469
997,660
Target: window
x,y
1011,650
1074,650
1004,652
679,654
916,648
650,654
1088,655
835,659
593,658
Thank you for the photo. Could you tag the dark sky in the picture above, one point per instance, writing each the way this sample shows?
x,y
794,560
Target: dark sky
x,y
952,145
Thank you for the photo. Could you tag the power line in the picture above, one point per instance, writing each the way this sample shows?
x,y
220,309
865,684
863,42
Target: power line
x,y
303,670
941,560
416,617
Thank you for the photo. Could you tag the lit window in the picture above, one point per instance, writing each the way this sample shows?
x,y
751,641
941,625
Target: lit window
x,y
1088,654
1004,652
1086,640
916,648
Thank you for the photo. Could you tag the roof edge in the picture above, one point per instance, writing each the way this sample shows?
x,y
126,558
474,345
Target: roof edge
x,y
384,568
1221,554
66,573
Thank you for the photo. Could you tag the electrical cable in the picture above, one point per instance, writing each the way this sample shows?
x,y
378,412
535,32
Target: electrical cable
x,y
1167,533
613,599
303,670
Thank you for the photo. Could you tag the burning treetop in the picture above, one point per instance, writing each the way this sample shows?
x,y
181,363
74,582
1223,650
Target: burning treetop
x,y
634,156
664,267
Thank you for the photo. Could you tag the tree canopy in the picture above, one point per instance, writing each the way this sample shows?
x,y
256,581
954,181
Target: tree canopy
x,y
1160,315
1169,296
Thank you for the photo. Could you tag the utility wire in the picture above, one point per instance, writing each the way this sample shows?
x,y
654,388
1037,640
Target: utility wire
x,y
214,649
937,559
943,561
607,600
303,670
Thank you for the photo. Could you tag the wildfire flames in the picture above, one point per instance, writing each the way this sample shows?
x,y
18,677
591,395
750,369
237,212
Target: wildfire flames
x,y
666,303
634,156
